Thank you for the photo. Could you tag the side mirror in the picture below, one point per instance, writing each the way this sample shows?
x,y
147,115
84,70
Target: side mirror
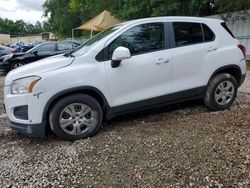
x,y
120,54
35,53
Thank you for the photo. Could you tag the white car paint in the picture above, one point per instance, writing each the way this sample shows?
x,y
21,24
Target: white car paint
x,y
138,78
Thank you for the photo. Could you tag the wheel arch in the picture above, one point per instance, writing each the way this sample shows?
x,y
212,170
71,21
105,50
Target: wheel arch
x,y
89,90
234,70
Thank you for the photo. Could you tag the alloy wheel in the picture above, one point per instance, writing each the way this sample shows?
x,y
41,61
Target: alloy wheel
x,y
224,93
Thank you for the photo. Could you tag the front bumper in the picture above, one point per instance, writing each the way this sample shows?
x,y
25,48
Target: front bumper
x,y
25,112
33,130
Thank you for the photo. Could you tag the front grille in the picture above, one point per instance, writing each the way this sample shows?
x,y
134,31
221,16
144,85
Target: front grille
x,y
21,112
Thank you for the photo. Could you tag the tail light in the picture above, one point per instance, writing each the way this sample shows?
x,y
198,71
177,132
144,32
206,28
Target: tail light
x,y
243,49
13,51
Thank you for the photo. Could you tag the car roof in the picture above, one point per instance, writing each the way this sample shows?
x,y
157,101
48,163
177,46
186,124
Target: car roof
x,y
172,18
56,42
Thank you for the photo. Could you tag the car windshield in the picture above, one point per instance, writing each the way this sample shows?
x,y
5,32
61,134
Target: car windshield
x,y
32,49
84,48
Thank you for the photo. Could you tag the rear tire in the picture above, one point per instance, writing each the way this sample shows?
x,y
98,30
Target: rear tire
x,y
76,117
221,92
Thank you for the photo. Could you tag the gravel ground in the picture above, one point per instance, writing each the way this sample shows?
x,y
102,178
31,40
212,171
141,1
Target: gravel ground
x,y
183,145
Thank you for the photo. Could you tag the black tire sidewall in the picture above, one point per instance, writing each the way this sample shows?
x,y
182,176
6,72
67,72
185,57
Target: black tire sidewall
x,y
78,98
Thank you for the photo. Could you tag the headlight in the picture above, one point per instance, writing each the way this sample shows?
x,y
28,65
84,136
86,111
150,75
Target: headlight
x,y
24,85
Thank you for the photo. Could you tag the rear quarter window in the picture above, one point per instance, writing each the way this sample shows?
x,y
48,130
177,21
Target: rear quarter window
x,y
64,46
224,25
48,47
208,33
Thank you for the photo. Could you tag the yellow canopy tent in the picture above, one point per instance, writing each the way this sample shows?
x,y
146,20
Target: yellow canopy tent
x,y
99,23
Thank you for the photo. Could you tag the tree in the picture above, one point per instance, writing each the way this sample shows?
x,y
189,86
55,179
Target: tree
x,y
38,27
60,19
87,9
19,27
64,15
133,9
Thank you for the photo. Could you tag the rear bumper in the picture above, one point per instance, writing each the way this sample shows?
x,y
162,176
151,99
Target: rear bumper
x,y
32,130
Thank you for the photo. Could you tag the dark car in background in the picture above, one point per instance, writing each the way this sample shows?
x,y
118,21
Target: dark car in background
x,y
24,47
40,51
4,50
28,46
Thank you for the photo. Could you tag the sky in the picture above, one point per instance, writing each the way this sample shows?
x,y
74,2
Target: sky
x,y
27,10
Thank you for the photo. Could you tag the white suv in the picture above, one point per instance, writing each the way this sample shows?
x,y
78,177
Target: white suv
x,y
132,66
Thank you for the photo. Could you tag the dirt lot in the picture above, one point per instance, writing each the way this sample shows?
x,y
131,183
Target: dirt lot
x,y
182,145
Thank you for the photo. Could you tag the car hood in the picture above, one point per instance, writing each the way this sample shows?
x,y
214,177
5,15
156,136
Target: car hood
x,y
12,56
16,55
38,67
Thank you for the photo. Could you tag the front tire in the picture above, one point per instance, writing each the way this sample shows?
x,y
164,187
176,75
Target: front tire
x,y
221,92
76,117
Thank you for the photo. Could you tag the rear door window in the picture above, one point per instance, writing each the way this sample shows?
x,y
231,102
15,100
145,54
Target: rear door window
x,y
64,46
187,33
46,48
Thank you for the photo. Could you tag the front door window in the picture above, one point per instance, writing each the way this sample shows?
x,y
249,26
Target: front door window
x,y
140,39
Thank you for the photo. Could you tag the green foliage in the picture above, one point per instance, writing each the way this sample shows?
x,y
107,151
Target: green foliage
x,y
60,19
132,9
63,15
87,9
19,27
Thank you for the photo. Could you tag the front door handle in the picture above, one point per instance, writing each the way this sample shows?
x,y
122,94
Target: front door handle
x,y
162,60
211,49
